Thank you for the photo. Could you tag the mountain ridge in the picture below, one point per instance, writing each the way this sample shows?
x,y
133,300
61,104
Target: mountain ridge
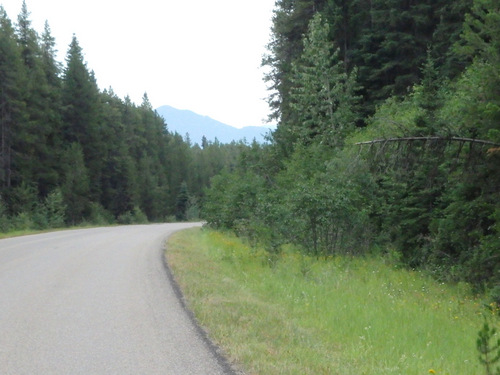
x,y
184,121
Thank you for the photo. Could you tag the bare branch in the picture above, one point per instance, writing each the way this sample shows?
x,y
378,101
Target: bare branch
x,y
435,138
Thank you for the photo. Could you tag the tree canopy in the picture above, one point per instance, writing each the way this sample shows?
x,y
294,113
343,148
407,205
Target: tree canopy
x,y
72,153
388,137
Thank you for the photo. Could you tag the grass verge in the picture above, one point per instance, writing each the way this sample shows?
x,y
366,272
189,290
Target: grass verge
x,y
299,315
26,232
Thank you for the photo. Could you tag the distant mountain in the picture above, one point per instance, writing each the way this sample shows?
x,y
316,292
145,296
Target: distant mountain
x,y
197,126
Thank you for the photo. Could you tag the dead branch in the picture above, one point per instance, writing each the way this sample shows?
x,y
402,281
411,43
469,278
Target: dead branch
x,y
435,138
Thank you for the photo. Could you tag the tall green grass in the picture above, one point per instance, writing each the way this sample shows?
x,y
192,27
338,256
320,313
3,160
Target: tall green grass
x,y
293,314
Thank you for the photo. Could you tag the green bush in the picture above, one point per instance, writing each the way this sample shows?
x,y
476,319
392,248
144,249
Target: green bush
x,y
99,215
55,209
4,218
136,216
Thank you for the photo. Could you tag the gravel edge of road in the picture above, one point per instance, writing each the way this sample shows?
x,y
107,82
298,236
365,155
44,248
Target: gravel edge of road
x,y
218,353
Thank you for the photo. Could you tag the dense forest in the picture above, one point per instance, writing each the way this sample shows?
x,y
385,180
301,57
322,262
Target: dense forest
x,y
71,153
388,140
388,137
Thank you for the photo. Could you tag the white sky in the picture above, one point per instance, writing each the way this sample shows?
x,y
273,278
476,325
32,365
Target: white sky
x,y
199,55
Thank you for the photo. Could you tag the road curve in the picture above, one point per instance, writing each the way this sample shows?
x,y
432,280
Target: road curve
x,y
96,301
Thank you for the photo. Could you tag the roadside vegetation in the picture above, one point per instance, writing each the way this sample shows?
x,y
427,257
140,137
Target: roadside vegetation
x,y
293,313
387,147
388,138
72,154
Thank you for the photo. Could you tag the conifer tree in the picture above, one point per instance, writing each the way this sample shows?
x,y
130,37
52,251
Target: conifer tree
x,y
347,20
323,94
82,113
35,138
53,105
76,184
118,169
80,97
52,67
450,16
27,38
12,78
182,202
152,176
290,23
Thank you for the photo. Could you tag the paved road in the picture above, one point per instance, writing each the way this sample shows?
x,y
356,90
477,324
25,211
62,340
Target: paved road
x,y
96,301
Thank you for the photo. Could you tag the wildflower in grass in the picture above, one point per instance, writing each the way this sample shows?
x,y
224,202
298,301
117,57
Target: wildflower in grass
x,y
431,371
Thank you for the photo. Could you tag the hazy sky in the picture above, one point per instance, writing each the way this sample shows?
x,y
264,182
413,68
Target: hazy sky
x,y
199,55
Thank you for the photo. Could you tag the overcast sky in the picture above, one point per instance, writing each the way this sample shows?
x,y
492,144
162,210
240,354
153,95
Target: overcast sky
x,y
199,55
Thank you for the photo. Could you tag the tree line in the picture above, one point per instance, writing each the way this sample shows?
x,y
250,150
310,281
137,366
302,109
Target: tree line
x,y
388,137
71,153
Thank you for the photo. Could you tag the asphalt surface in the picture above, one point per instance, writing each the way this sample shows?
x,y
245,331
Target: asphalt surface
x,y
97,301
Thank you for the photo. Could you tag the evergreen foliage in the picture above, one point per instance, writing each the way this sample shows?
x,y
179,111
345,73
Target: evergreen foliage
x,y
71,153
424,75
386,40
12,78
489,350
323,95
182,202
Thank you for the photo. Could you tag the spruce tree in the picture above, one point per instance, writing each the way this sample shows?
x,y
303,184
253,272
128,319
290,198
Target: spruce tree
x,y
323,94
182,202
76,184
450,16
82,114
53,105
34,139
12,79
290,23
153,175
79,97
118,170
52,67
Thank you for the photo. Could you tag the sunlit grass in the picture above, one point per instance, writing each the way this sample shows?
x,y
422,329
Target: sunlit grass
x,y
300,315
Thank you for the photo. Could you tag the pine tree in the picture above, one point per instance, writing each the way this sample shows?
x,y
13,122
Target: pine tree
x,y
393,43
12,78
82,114
182,202
476,105
52,67
53,105
469,225
79,98
480,37
347,20
177,158
117,181
76,184
155,157
451,15
323,94
34,138
290,23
